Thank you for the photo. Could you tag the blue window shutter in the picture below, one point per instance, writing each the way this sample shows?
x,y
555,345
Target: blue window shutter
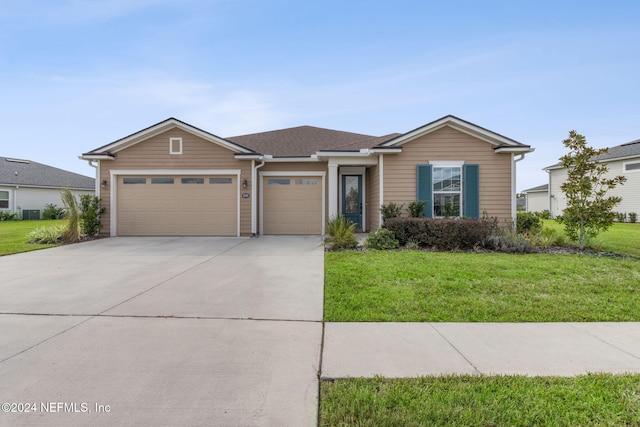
x,y
471,191
424,189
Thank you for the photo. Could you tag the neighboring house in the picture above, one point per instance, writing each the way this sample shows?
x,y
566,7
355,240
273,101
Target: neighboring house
x,y
621,160
26,186
537,198
175,179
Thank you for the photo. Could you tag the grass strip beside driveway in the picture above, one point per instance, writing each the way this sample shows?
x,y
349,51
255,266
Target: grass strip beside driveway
x,y
416,286
596,399
14,235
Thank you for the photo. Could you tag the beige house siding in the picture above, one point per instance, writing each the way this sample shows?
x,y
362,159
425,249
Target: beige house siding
x,y
450,144
197,153
373,198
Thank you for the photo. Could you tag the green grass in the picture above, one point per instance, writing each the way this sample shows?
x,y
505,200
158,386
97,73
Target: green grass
x,y
416,286
14,235
589,400
623,238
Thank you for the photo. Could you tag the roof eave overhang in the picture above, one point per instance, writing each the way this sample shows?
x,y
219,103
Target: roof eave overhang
x,y
458,124
165,126
248,156
518,150
92,156
289,159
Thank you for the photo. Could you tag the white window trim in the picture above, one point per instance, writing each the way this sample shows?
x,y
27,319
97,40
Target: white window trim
x,y
9,191
115,173
354,171
447,164
633,162
171,150
290,174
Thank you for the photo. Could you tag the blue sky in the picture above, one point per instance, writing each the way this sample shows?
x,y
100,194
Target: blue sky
x,y
78,74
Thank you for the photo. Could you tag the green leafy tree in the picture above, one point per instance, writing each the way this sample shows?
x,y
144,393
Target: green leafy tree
x,y
90,211
588,210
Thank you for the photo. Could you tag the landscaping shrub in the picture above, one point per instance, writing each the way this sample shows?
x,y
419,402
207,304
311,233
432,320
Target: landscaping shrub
x,y
389,211
72,231
549,237
442,234
528,222
51,211
509,242
633,217
621,216
545,214
47,235
382,239
90,211
342,233
416,209
8,216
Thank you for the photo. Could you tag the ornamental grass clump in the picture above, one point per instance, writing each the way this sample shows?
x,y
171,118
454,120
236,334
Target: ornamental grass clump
x,y
342,233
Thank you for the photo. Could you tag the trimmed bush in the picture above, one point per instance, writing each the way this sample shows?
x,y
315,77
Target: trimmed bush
x,y
442,234
389,211
342,233
382,239
90,211
633,217
51,211
528,222
416,209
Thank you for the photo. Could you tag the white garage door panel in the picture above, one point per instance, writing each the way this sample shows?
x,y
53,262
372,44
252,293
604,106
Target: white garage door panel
x,y
292,205
178,209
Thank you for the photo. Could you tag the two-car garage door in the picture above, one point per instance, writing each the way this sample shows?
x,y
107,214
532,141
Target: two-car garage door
x,y
173,205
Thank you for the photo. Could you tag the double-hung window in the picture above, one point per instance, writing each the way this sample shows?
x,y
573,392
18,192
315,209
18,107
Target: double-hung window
x,y
449,189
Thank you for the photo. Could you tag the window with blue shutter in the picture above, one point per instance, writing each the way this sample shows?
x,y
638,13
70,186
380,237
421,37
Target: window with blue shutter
x,y
424,190
471,191
445,188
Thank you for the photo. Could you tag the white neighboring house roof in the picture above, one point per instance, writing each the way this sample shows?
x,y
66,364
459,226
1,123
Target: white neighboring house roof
x,y
628,150
538,189
27,173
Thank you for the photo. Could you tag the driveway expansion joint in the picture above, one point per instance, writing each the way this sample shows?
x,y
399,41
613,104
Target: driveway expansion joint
x,y
475,368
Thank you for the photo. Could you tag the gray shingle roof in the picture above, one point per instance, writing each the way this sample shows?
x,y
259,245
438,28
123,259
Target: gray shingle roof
x,y
26,172
625,150
544,187
629,149
306,140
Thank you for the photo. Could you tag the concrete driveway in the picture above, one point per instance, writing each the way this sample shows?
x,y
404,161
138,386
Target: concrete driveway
x,y
163,332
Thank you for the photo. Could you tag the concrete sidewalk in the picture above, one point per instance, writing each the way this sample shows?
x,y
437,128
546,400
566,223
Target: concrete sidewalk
x,y
535,349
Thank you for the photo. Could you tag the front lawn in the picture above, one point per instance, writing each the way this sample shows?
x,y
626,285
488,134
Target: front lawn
x,y
14,235
621,237
416,286
602,399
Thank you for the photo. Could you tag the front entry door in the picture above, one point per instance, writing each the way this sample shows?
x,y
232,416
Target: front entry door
x,y
352,199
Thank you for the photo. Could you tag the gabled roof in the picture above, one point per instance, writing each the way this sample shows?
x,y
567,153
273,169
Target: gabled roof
x,y
305,141
34,174
109,150
538,189
501,143
619,152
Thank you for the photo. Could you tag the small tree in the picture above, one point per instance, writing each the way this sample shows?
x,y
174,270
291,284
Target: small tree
x,y
588,211
90,211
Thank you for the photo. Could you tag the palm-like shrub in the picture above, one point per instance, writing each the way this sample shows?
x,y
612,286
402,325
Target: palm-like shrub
x,y
342,233
72,232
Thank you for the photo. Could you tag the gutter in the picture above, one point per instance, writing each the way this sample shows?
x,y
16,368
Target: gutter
x,y
514,202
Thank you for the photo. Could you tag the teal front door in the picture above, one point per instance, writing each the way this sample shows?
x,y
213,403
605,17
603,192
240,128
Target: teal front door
x,y
352,199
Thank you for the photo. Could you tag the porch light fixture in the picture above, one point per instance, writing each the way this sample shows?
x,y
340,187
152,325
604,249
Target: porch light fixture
x,y
245,184
104,183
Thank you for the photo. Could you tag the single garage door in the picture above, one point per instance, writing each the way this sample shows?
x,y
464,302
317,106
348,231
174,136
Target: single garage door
x,y
177,206
292,205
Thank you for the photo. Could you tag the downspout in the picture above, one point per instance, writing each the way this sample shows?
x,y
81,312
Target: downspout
x,y
97,184
380,187
254,196
514,199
